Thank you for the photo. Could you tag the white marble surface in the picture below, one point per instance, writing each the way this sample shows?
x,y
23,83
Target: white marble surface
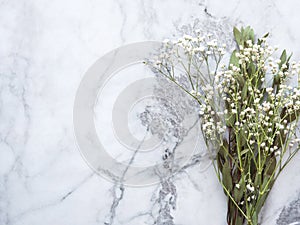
x,y
45,48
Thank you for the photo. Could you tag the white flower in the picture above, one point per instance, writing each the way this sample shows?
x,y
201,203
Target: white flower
x,y
266,106
201,49
250,188
237,186
280,126
212,43
166,41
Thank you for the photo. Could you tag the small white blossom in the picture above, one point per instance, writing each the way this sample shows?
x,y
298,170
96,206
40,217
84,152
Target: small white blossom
x,y
250,188
277,153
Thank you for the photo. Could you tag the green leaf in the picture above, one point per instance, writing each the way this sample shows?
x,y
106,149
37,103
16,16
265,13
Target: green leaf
x,y
253,168
231,210
271,166
287,62
239,220
276,79
222,150
243,138
246,33
245,151
257,180
241,80
266,35
289,57
255,217
221,156
244,92
265,182
230,120
283,58
251,35
251,69
261,202
233,59
238,193
226,176
237,35
260,40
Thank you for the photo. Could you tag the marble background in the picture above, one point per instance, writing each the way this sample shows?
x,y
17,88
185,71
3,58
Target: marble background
x,y
45,49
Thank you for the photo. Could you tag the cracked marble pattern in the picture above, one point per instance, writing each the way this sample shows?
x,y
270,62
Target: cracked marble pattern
x,y
46,47
290,213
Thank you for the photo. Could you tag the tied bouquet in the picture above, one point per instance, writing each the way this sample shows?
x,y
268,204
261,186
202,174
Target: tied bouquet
x,y
248,110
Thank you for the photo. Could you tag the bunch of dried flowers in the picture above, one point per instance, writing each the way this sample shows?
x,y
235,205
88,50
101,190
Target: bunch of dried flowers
x,y
249,111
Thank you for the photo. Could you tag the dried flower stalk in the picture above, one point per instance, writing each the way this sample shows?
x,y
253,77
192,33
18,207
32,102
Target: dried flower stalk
x,y
249,113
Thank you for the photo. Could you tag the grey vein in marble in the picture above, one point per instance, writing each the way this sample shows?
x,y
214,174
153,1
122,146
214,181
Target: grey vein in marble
x,y
45,48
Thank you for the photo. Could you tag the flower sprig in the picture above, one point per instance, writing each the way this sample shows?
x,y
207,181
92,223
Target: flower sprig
x,y
262,114
249,112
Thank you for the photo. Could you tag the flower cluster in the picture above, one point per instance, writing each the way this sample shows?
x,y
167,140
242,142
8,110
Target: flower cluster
x,y
189,55
259,106
198,59
249,111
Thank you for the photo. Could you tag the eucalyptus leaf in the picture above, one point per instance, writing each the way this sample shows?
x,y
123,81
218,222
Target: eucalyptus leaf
x,y
283,58
239,220
230,120
251,69
255,218
241,80
233,59
226,176
257,180
238,193
244,92
271,166
237,35
261,202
